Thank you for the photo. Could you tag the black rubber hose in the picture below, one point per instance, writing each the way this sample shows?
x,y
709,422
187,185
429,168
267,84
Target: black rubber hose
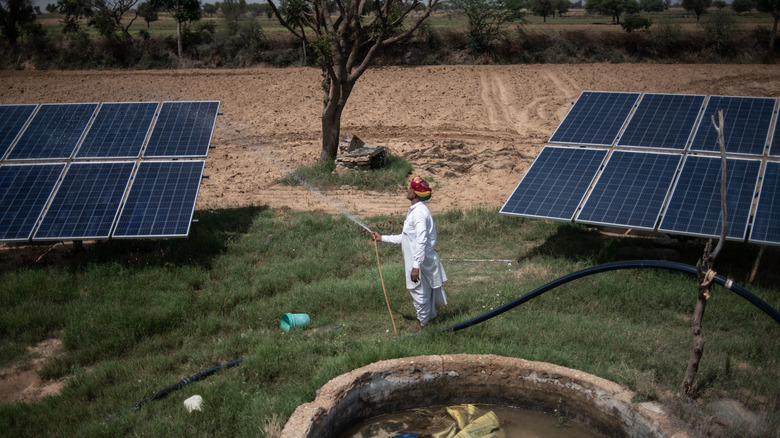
x,y
629,264
186,380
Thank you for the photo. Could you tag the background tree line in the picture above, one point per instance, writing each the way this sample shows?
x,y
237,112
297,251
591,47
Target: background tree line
x,y
119,34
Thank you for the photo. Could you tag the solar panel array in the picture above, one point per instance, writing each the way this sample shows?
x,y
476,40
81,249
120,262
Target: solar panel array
x,y
595,119
119,130
183,129
766,227
161,200
662,121
695,208
24,191
568,172
631,190
86,171
53,132
660,167
12,120
746,119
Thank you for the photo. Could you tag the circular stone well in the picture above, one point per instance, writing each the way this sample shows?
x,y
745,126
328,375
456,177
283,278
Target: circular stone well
x,y
412,382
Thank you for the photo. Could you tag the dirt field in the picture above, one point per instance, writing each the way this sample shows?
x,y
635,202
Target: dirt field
x,y
473,130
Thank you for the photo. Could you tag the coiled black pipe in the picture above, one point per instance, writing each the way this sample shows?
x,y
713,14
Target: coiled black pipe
x,y
629,264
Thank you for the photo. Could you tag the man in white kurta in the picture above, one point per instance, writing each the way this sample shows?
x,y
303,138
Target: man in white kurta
x,y
424,271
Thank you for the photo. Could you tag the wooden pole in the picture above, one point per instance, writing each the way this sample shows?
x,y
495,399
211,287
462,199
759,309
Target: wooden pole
x,y
706,273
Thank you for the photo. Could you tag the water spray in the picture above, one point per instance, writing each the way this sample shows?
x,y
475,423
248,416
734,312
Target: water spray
x,y
330,202
310,188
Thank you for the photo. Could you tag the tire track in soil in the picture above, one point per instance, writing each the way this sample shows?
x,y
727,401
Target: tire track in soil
x,y
564,87
498,103
487,98
504,103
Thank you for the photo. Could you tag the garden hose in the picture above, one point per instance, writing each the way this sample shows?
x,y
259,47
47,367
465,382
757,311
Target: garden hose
x,y
629,264
184,381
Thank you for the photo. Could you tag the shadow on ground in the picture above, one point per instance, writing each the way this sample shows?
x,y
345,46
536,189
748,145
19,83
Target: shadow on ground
x,y
210,234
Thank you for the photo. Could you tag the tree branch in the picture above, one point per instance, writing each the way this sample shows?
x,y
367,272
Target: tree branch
x,y
723,175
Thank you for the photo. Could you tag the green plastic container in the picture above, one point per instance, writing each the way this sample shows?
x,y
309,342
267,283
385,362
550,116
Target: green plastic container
x,y
290,320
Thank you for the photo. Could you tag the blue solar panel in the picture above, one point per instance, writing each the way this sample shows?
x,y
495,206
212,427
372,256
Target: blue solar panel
x,y
631,190
595,118
662,121
119,130
24,191
161,200
774,149
555,183
12,120
746,125
53,132
183,129
695,207
766,224
87,201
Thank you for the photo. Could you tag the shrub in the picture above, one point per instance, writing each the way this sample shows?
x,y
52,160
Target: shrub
x,y
75,51
632,22
720,31
741,6
668,39
154,54
236,46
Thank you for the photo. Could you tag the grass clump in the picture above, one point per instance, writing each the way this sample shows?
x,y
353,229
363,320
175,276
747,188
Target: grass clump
x,y
389,178
136,316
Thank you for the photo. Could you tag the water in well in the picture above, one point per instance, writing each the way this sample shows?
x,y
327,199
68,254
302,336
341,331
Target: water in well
x,y
439,422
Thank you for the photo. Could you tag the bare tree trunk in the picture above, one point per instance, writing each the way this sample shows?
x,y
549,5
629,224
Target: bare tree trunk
x,y
706,273
772,36
331,125
178,32
698,315
337,91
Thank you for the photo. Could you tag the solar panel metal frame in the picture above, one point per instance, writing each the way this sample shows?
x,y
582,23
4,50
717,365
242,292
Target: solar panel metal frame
x,y
574,118
72,229
133,195
155,143
538,166
706,132
669,123
10,128
43,193
715,187
35,138
767,214
86,150
612,168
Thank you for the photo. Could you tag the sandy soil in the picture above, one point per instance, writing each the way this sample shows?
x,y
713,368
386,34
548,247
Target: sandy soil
x,y
21,382
472,130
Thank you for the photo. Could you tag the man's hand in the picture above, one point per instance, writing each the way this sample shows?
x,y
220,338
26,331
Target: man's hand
x,y
415,275
376,237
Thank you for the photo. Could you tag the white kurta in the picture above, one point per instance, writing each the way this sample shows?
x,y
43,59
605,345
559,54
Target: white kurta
x,y
418,244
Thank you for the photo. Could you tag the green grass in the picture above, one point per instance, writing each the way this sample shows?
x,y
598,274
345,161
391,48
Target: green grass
x,y
136,316
391,176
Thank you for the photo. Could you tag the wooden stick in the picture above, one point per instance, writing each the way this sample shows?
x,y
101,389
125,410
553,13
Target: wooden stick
x,y
376,247
755,265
